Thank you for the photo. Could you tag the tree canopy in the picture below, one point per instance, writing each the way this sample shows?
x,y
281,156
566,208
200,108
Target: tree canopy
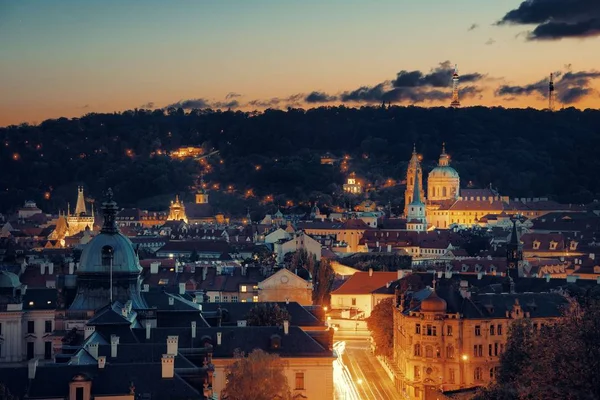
x,y
259,376
381,325
277,153
267,314
553,361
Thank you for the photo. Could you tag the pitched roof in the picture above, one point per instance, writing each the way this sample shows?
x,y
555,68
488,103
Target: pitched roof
x,y
362,283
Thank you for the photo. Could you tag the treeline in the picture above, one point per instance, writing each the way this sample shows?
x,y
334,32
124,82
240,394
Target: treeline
x,y
522,152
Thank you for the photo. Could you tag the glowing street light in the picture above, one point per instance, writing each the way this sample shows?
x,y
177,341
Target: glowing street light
x,y
465,357
359,381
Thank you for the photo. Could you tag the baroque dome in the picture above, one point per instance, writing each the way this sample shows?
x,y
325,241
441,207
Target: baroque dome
x,y
95,252
443,172
433,303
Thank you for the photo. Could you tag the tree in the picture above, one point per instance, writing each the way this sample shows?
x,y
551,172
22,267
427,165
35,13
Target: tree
x,y
5,393
381,325
323,282
556,361
267,314
259,376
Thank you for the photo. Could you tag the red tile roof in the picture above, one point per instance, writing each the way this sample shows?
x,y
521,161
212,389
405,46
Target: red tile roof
x,y
362,283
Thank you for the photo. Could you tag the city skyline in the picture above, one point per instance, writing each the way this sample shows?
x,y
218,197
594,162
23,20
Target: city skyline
x,y
68,59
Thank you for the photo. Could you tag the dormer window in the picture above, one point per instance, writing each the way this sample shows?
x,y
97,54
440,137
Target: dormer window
x,y
573,245
107,256
536,245
553,245
275,342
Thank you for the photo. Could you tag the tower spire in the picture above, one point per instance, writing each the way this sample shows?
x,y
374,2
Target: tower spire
x,y
109,210
455,79
551,93
80,207
416,190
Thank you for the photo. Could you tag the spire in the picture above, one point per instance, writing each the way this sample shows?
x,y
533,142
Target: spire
x,y
109,210
80,208
444,159
414,149
443,148
514,237
416,191
68,209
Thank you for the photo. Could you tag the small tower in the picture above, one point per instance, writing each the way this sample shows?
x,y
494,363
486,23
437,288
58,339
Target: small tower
x,y
551,93
413,173
80,208
177,211
514,253
416,219
455,78
201,194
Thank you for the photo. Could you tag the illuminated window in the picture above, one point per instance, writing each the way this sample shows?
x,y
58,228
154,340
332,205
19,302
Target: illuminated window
x,y
255,287
255,299
244,289
299,380
448,330
418,329
417,372
163,282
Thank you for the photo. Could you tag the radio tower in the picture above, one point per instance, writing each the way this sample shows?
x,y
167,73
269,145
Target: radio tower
x,y
551,93
455,102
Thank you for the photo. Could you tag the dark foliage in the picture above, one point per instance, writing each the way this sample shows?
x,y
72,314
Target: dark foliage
x,y
5,393
379,262
524,153
381,325
267,314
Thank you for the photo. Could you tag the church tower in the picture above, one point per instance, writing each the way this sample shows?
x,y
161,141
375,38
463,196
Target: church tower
x,y
514,253
413,173
177,211
416,219
80,208
201,193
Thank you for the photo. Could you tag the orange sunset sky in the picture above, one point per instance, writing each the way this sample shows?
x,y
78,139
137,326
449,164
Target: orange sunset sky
x,y
68,58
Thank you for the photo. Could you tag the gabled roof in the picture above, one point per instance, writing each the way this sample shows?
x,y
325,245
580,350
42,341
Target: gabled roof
x,y
362,283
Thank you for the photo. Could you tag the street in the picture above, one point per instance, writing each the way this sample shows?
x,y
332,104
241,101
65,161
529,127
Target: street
x,y
358,375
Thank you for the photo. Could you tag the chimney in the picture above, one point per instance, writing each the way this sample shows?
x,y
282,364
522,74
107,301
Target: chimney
x,y
171,301
204,272
93,349
88,330
389,248
31,368
286,327
172,342
101,362
146,287
168,366
592,256
548,277
479,275
439,274
218,338
154,267
242,322
42,268
71,268
50,268
114,344
400,273
182,288
193,329
370,271
148,330
464,289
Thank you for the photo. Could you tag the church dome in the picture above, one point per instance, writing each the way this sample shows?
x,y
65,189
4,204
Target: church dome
x,y
96,255
443,172
8,280
433,303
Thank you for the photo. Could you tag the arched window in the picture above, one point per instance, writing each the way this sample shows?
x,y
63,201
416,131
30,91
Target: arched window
x,y
444,191
478,374
449,352
107,256
493,372
417,350
428,351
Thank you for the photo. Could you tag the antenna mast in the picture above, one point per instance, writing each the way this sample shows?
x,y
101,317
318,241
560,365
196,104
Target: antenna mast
x,y
551,93
455,78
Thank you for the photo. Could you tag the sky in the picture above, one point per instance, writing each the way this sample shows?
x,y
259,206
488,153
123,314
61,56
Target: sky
x,y
67,58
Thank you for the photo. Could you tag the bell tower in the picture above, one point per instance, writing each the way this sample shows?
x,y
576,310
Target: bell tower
x,y
201,193
514,253
413,173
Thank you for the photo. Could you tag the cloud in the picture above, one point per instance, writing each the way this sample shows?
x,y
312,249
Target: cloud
x,y
555,19
147,105
232,95
225,104
490,42
473,27
570,87
319,97
191,104
440,76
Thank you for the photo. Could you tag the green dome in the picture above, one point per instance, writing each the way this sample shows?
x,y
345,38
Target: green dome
x,y
96,255
9,280
443,172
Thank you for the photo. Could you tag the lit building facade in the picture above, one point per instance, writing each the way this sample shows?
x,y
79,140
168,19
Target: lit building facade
x,y
353,185
177,211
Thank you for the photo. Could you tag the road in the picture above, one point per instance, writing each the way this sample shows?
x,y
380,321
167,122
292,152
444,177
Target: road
x,y
359,375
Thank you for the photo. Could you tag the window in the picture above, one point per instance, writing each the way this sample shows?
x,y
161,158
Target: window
x,y
478,350
417,372
217,299
354,301
79,393
449,352
499,330
448,330
477,374
244,289
452,375
255,287
417,350
299,380
490,350
225,299
492,330
438,352
418,329
163,282
48,326
477,330
234,299
428,351
47,350
431,330
255,299
496,349
107,256
493,372
30,327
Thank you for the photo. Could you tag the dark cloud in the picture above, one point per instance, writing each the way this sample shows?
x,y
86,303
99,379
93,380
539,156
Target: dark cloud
x,y
366,94
232,95
441,76
319,97
148,105
191,104
570,87
556,19
473,27
490,42
226,104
